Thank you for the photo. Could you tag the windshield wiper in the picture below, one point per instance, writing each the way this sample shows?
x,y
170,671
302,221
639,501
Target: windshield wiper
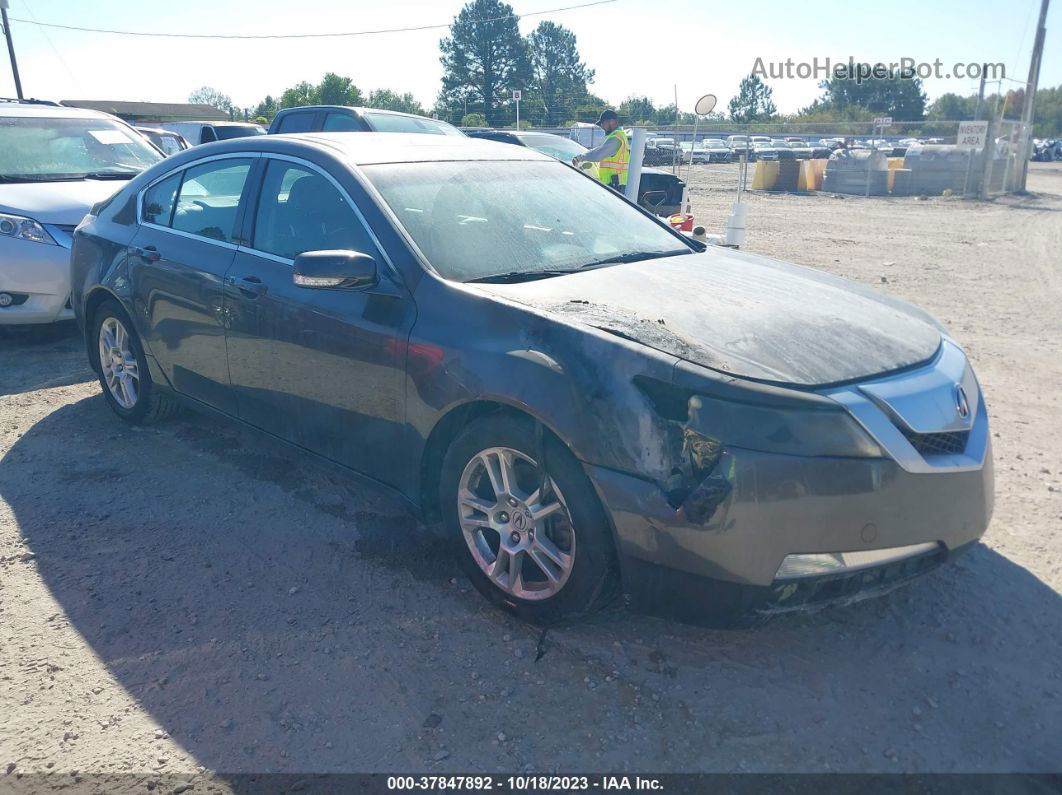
x,y
518,276
67,177
37,177
635,256
110,175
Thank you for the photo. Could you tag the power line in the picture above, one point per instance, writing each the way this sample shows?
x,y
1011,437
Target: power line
x,y
58,55
303,35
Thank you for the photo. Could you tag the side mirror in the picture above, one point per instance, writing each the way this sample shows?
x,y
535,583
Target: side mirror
x,y
332,269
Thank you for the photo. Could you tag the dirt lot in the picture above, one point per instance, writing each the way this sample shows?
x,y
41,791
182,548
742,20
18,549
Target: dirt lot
x,y
191,596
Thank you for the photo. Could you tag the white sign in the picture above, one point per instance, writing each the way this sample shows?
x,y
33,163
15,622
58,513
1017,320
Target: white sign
x,y
517,95
110,136
972,133
883,121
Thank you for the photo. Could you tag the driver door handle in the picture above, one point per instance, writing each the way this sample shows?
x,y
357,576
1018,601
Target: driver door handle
x,y
251,286
148,253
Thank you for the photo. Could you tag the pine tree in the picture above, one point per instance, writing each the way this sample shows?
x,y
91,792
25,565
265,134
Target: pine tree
x,y
753,101
484,58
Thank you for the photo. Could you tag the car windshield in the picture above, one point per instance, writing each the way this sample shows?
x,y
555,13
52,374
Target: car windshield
x,y
394,122
40,148
554,146
476,220
225,132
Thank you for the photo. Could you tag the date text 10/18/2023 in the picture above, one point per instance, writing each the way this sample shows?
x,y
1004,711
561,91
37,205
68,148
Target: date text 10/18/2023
x,y
525,783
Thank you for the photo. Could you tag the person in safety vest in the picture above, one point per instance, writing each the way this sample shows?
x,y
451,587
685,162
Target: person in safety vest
x,y
613,156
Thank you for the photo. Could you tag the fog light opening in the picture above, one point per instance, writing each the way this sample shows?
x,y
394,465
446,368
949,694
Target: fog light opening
x,y
796,567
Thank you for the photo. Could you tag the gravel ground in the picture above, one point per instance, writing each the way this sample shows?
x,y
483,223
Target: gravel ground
x,y
192,597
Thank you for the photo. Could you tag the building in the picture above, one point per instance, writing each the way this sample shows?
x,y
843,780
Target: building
x,y
148,113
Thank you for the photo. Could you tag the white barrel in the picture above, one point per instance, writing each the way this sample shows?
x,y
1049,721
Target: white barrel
x,y
735,225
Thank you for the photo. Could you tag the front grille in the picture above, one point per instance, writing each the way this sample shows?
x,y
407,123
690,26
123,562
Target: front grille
x,y
949,443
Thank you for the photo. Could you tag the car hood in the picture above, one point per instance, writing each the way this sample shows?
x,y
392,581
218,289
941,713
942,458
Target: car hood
x,y
56,202
744,315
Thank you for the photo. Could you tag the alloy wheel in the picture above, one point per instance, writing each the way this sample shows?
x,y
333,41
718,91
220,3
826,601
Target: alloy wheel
x,y
516,524
118,363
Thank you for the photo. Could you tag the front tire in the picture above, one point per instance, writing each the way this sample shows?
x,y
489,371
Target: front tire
x,y
537,546
122,369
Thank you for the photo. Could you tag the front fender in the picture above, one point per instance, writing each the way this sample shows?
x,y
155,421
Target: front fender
x,y
577,380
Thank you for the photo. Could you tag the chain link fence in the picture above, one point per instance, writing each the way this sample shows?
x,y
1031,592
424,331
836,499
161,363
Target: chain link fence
x,y
928,157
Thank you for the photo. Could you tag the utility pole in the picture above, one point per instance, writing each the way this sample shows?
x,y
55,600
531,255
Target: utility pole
x,y
10,48
980,94
1030,90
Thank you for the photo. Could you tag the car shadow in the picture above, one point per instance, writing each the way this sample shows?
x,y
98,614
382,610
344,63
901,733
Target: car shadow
x,y
41,357
272,616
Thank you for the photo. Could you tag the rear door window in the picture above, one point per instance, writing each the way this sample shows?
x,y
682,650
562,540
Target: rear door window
x,y
209,197
341,122
297,122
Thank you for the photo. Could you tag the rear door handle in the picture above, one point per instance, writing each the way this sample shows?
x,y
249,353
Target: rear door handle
x,y
250,285
148,253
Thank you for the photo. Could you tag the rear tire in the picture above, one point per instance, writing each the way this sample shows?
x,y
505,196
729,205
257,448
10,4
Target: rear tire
x,y
122,368
544,554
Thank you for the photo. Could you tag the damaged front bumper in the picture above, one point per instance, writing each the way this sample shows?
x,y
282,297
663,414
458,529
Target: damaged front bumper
x,y
766,532
778,506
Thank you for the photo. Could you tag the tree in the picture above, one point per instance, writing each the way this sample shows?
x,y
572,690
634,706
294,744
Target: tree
x,y
952,107
559,77
300,94
389,100
1048,121
884,91
336,90
211,96
637,109
267,108
753,102
484,57
589,109
473,120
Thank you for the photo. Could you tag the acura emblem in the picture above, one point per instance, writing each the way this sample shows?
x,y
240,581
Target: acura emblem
x,y
962,405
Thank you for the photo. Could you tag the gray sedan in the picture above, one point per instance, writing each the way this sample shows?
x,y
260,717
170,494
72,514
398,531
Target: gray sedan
x,y
581,399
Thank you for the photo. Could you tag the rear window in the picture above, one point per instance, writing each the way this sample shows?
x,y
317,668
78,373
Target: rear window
x,y
388,122
229,131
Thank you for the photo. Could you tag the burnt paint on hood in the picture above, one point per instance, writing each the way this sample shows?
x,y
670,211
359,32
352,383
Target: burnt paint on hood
x,y
743,314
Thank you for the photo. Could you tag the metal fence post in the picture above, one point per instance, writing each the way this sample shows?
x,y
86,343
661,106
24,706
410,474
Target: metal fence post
x,y
987,155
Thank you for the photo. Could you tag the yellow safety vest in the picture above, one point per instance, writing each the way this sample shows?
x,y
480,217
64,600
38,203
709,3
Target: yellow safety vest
x,y
617,164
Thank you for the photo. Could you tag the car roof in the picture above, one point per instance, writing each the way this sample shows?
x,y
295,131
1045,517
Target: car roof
x,y
51,111
357,109
369,148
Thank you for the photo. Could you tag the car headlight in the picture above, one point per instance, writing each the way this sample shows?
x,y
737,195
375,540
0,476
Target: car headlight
x,y
24,229
757,417
788,431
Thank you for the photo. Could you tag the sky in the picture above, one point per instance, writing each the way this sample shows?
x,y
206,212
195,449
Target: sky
x,y
688,47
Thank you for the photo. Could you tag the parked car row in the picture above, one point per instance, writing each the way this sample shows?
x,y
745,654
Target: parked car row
x,y
1047,150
